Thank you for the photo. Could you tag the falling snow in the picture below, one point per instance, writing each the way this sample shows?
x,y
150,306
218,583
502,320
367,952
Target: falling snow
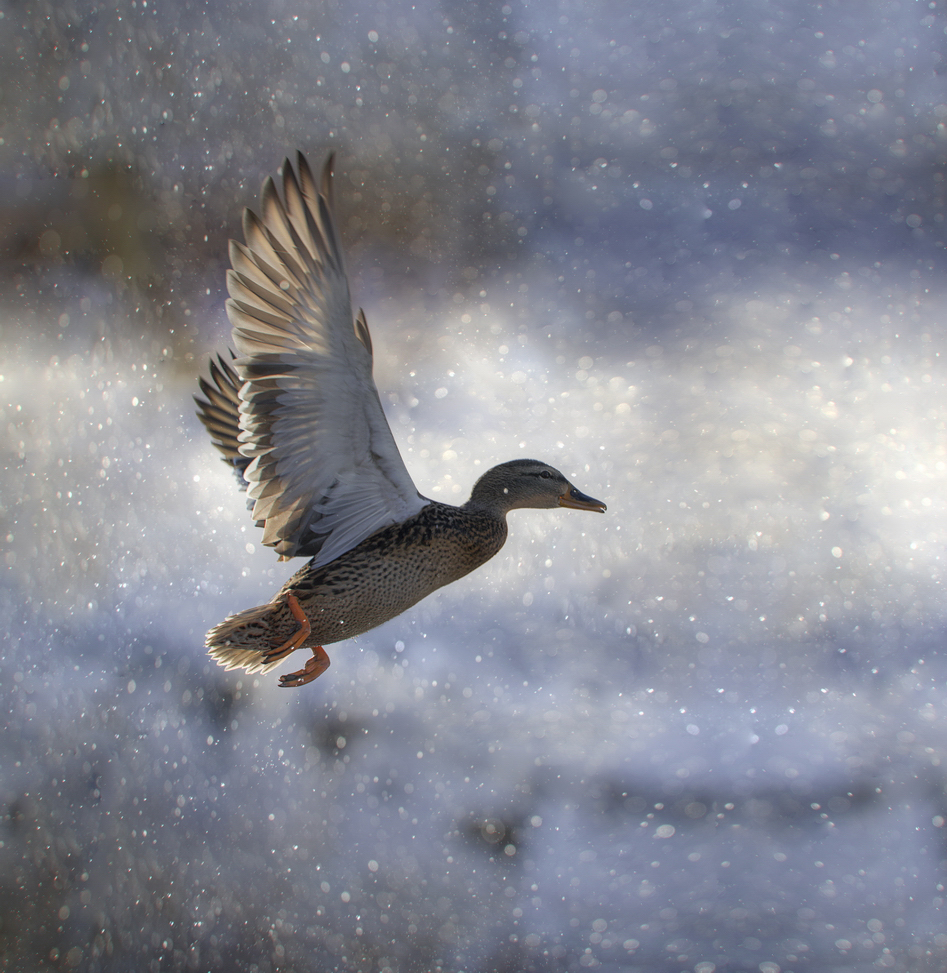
x,y
690,253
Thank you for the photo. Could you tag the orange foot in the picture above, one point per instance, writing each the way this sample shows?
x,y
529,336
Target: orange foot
x,y
314,668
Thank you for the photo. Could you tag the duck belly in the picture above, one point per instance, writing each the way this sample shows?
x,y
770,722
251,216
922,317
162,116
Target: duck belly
x,y
365,588
383,576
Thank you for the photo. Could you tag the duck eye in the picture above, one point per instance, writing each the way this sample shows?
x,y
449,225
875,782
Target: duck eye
x,y
546,475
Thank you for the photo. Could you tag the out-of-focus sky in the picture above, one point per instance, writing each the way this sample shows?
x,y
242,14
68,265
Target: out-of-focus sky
x,y
691,253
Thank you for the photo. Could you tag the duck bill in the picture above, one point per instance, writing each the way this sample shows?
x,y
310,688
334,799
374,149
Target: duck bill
x,y
579,501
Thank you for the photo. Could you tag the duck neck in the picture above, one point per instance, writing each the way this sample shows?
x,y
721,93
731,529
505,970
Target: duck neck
x,y
487,505
491,495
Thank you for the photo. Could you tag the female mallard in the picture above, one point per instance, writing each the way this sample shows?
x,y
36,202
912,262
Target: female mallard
x,y
299,419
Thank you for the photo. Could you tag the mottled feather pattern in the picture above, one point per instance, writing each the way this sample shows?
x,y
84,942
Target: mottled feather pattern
x,y
399,566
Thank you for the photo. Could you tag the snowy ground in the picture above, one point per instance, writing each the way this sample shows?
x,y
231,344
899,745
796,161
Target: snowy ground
x,y
693,254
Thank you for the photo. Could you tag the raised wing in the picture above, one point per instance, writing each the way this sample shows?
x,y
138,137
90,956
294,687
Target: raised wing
x,y
325,472
219,410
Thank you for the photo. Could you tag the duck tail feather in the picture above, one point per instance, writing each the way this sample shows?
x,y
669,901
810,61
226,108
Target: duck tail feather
x,y
247,639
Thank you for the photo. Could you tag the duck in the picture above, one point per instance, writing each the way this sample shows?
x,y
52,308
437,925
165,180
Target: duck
x,y
295,413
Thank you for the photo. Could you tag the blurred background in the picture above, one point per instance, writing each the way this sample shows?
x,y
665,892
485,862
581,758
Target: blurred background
x,y
690,252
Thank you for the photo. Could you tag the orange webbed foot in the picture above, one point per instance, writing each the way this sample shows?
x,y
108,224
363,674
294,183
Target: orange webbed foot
x,y
314,668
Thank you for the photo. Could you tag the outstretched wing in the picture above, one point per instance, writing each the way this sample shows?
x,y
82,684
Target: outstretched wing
x,y
324,470
219,410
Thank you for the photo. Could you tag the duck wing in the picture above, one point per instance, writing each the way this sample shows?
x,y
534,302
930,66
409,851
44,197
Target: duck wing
x,y
324,471
219,411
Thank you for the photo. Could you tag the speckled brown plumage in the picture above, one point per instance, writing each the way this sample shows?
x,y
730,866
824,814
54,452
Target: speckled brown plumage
x,y
379,579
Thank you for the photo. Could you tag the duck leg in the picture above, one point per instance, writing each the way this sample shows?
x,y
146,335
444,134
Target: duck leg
x,y
297,639
315,666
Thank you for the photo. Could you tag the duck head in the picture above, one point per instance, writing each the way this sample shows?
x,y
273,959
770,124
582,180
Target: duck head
x,y
529,483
